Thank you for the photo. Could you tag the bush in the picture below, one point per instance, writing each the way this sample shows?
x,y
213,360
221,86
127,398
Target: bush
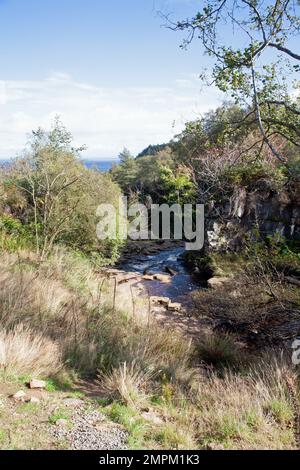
x,y
13,234
249,172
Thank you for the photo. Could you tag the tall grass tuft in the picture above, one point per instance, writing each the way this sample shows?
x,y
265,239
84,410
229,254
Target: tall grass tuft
x,y
26,352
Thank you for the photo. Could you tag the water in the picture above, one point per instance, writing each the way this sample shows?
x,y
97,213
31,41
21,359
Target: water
x,y
181,284
101,165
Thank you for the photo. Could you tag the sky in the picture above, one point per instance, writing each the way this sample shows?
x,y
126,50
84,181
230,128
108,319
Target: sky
x,y
108,68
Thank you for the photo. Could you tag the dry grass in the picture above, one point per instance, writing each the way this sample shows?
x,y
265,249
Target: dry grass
x,y
220,350
47,317
127,383
26,352
254,411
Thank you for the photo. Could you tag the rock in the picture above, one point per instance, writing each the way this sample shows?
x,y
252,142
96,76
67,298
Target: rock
x,y
174,307
35,400
73,402
152,417
128,279
161,300
37,384
113,272
214,446
19,396
148,273
62,423
162,278
216,282
147,277
170,271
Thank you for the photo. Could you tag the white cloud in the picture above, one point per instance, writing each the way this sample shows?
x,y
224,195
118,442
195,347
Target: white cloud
x,y
105,119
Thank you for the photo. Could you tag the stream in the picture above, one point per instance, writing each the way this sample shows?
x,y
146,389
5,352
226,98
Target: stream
x,y
181,284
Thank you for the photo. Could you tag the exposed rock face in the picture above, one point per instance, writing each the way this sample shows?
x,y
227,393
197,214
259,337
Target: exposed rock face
x,y
247,212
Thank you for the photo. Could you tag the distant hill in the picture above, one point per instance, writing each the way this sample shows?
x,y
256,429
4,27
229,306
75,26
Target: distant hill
x,y
152,150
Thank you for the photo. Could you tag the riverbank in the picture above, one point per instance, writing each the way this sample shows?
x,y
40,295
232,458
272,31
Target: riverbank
x,y
162,380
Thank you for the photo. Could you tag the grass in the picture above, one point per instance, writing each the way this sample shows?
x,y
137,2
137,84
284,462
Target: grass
x,y
61,413
132,421
24,351
142,367
219,350
281,411
2,436
28,408
173,438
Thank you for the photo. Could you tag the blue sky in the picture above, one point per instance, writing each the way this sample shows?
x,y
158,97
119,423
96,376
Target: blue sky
x,y
108,67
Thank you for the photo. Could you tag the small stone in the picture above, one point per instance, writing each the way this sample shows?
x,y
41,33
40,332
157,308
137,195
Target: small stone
x,y
214,446
174,307
216,282
61,423
148,277
35,400
72,402
36,384
161,300
152,417
19,396
162,278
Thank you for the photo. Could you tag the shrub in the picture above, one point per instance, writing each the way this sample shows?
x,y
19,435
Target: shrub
x,y
13,235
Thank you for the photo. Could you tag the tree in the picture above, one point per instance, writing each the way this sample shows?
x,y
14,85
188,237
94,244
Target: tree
x,y
259,74
125,156
177,185
125,173
62,194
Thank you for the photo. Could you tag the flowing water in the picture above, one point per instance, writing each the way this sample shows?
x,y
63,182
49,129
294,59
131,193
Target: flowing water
x,y
181,284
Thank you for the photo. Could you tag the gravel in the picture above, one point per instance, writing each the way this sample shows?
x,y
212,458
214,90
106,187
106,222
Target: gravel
x,y
90,430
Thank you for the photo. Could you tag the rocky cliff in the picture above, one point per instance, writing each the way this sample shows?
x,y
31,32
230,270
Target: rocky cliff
x,y
251,213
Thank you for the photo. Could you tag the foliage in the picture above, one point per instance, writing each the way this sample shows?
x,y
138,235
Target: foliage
x,y
152,150
13,234
177,186
260,73
62,195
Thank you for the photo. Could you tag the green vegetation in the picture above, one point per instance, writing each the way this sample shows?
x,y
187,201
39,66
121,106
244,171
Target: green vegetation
x,y
230,384
52,198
